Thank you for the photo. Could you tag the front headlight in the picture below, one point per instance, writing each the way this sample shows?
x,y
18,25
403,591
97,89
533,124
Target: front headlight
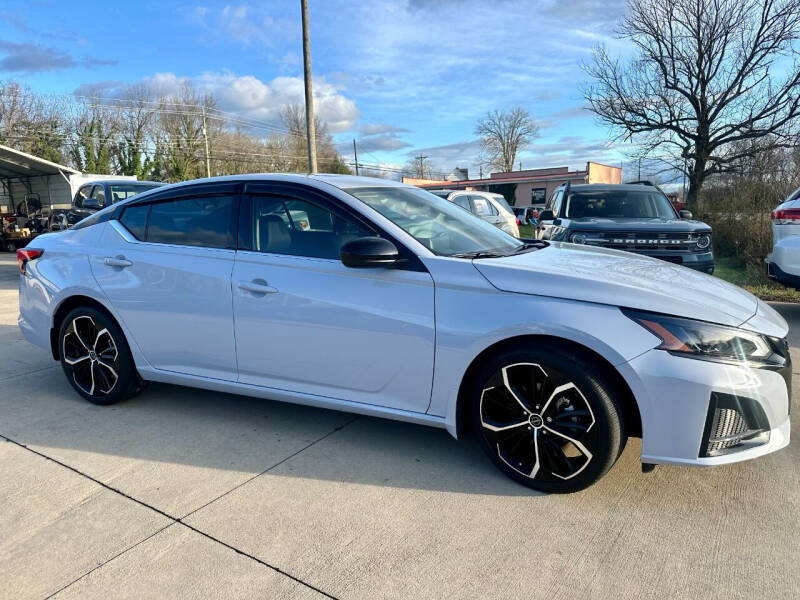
x,y
578,238
703,241
698,339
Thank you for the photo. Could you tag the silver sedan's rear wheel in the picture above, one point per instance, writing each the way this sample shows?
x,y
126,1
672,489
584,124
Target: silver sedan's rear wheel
x,y
95,357
547,419
90,352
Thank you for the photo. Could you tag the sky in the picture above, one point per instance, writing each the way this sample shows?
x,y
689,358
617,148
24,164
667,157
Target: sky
x,y
402,77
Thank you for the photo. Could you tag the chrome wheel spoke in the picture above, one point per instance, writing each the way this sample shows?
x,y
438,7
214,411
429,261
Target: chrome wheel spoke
x,y
78,335
75,361
537,422
94,367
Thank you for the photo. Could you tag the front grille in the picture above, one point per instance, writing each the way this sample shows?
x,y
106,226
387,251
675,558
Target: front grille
x,y
726,429
640,241
732,421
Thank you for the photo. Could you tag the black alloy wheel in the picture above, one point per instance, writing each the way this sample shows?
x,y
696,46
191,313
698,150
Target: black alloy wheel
x,y
548,419
95,357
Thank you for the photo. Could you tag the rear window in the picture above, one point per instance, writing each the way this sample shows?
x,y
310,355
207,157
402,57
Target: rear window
x,y
124,191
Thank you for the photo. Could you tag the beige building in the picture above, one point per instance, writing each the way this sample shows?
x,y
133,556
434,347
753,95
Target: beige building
x,y
532,186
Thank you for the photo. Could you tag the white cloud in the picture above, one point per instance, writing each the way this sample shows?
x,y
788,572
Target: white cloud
x,y
377,129
249,97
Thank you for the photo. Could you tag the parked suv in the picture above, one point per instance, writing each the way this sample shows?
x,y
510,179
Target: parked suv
x,y
783,263
634,217
95,195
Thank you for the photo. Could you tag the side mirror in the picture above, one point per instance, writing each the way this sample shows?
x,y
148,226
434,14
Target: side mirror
x,y
91,203
369,252
546,215
685,214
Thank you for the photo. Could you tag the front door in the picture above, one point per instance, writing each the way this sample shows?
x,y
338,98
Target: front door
x,y
166,268
306,323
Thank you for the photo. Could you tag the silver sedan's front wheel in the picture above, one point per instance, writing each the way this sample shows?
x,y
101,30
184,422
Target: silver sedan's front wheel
x,y
547,419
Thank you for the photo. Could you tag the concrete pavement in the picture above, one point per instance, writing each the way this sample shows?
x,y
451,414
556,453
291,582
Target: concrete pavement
x,y
186,493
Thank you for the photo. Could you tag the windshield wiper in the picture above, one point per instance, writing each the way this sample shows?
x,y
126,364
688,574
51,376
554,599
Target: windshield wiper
x,y
530,246
478,254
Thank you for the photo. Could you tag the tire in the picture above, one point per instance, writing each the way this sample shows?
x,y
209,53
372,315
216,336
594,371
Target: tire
x,y
9,246
96,358
547,418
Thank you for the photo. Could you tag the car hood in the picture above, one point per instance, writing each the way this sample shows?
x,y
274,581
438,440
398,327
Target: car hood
x,y
608,224
619,278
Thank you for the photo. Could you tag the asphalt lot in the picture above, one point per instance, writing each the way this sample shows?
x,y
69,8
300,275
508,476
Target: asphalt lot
x,y
186,493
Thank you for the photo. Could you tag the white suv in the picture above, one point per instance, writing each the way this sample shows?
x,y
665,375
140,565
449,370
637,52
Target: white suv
x,y
492,208
783,263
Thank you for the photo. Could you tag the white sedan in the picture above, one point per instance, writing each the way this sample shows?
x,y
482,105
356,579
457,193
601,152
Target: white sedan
x,y
783,263
390,301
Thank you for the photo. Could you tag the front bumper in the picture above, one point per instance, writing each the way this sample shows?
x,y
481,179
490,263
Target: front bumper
x,y
699,261
675,393
787,279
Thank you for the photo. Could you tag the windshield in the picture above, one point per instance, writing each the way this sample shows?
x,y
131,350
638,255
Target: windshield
x,y
612,204
442,227
126,190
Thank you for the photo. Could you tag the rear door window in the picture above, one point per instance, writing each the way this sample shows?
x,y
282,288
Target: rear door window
x,y
463,202
199,221
483,208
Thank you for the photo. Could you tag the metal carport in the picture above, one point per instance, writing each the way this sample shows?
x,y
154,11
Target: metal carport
x,y
25,177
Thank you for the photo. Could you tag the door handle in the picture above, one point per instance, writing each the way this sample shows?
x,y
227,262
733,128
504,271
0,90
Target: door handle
x,y
257,286
117,261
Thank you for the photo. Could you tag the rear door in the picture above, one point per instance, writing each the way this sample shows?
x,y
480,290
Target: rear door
x,y
306,323
166,266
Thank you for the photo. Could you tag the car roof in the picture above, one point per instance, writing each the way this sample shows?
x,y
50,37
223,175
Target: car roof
x,y
601,187
125,181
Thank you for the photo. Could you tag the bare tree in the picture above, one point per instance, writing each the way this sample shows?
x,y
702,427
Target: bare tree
x,y
705,78
503,134
296,142
419,167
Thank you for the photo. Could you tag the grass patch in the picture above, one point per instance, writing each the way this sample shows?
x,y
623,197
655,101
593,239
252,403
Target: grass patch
x,y
754,281
527,231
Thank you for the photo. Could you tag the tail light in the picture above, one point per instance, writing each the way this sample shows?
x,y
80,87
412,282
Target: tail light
x,y
786,216
517,222
25,255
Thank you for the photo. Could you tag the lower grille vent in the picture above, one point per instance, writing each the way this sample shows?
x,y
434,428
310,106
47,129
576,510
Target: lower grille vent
x,y
732,421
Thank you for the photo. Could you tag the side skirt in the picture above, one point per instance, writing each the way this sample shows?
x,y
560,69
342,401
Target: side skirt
x,y
244,389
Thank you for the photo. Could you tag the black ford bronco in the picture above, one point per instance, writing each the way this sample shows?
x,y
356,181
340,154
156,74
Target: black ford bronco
x,y
634,217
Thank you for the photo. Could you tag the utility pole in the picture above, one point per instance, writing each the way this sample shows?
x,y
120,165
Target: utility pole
x,y
520,166
355,154
310,133
640,169
205,136
421,167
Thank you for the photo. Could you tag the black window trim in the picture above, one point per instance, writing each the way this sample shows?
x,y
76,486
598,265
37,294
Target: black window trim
x,y
198,191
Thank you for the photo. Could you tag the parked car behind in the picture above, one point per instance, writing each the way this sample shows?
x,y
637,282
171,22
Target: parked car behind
x,y
783,263
98,194
492,208
552,353
527,215
634,217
